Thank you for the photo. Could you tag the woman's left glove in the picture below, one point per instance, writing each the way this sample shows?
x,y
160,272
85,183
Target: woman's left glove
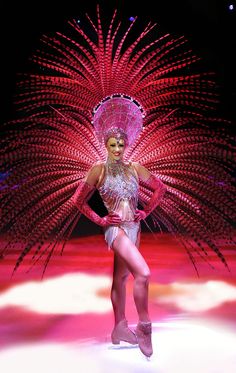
x,y
139,215
158,190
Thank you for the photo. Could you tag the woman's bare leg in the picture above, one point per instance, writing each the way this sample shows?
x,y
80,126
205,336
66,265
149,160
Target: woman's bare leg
x,y
118,290
136,264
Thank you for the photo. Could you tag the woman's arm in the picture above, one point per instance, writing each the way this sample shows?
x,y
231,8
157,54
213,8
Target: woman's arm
x,y
83,193
155,185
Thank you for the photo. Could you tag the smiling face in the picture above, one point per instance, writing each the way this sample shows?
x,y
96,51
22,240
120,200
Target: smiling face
x,y
115,148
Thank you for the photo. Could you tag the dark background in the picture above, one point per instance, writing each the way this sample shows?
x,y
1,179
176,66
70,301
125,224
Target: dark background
x,y
208,24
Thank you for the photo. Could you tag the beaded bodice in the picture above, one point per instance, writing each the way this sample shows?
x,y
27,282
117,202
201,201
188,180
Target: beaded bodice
x,y
119,189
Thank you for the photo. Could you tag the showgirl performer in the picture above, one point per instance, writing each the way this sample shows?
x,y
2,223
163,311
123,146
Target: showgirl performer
x,y
129,114
117,122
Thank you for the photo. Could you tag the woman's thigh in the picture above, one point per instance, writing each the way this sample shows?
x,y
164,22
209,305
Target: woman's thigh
x,y
120,268
130,254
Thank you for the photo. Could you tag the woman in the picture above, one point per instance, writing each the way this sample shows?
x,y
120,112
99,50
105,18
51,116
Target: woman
x,y
50,148
117,182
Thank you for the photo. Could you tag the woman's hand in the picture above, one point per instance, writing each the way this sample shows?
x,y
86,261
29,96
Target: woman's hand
x,y
139,215
111,219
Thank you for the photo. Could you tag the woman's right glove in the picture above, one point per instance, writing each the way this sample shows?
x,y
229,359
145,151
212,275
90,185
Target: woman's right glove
x,y
80,199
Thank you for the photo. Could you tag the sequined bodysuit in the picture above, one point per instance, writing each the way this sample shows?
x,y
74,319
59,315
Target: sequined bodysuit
x,y
119,192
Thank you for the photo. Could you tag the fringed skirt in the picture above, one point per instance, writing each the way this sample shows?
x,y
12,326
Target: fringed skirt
x,y
131,229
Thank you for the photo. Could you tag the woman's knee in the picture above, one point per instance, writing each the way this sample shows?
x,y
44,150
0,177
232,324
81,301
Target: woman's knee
x,y
143,276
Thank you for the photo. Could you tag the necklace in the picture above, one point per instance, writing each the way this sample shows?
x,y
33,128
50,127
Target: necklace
x,y
116,167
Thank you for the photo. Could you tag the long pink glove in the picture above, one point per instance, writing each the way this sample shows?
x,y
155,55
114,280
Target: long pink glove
x,y
81,197
159,190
